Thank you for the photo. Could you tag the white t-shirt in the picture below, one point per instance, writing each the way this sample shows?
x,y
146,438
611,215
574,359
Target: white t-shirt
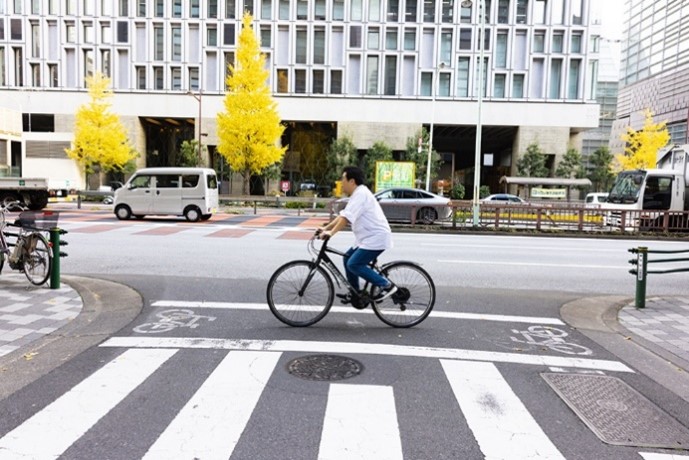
x,y
370,227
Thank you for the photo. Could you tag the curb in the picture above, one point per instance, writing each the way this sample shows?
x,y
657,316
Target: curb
x,y
107,308
596,318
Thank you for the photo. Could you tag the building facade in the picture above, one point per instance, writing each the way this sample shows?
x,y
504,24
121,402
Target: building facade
x,y
373,70
655,68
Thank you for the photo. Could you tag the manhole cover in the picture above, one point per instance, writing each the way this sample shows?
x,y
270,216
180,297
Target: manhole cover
x,y
324,367
617,413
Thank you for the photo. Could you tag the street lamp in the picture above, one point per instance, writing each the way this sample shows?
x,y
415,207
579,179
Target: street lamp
x,y
477,148
434,86
198,98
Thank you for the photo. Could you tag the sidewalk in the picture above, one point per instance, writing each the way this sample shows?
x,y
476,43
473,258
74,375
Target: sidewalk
x,y
37,322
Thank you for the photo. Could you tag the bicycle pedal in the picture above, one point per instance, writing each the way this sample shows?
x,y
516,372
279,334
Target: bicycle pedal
x,y
344,298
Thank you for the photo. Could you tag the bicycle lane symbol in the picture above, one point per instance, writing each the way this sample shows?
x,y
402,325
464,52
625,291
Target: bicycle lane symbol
x,y
550,337
171,319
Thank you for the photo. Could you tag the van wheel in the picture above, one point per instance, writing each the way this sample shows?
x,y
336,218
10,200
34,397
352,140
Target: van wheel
x,y
206,216
192,214
123,212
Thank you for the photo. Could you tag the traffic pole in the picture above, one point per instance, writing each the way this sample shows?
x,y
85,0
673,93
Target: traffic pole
x,y
641,266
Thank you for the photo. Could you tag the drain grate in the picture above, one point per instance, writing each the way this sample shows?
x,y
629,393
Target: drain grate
x,y
617,413
324,367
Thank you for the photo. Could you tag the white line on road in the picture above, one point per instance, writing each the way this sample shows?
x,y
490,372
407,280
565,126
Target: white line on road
x,y
530,264
655,456
501,424
363,348
210,424
360,422
51,431
434,313
522,248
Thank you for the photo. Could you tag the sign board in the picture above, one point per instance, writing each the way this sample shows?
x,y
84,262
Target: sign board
x,y
394,174
548,193
22,183
487,159
284,186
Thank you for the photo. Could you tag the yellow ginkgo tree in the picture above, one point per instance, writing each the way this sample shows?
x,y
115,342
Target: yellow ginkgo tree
x,y
643,145
249,129
100,139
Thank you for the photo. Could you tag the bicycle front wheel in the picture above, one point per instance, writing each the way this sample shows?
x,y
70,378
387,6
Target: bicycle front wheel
x,y
414,298
38,259
300,293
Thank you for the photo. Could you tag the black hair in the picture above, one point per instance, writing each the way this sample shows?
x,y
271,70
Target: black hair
x,y
353,172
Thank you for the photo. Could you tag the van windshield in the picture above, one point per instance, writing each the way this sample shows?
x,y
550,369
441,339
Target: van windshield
x,y
626,188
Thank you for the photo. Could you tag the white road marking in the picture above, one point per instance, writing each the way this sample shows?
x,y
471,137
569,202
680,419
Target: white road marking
x,y
210,424
343,309
501,424
522,248
530,264
363,348
655,456
52,430
360,422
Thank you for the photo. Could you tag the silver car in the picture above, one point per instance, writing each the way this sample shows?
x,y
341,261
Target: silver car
x,y
399,203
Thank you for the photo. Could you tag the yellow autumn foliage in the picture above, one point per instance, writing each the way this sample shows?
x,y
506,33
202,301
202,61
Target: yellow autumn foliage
x,y
643,145
249,128
100,139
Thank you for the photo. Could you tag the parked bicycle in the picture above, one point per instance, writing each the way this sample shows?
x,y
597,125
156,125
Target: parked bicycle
x,y
300,293
30,250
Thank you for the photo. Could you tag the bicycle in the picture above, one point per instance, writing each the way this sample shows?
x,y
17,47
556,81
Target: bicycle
x,y
31,252
301,292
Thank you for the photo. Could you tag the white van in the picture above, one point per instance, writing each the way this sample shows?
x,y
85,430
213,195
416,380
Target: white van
x,y
188,192
594,200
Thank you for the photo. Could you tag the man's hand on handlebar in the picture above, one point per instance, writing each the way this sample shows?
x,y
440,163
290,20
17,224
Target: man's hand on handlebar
x,y
323,234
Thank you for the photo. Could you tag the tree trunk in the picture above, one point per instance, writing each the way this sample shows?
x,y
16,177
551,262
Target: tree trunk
x,y
246,176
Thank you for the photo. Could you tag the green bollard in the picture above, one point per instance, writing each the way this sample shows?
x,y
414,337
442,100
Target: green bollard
x,y
641,265
55,270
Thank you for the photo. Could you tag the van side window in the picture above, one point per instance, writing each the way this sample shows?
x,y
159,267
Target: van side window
x,y
211,181
167,181
190,180
143,181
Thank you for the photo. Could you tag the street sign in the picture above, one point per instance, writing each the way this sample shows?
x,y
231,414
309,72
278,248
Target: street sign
x,y
284,186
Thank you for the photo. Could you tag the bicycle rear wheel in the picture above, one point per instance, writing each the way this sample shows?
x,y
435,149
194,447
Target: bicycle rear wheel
x,y
38,259
414,298
300,293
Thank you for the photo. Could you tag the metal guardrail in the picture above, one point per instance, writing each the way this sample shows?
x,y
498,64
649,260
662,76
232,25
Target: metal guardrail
x,y
98,193
300,202
641,271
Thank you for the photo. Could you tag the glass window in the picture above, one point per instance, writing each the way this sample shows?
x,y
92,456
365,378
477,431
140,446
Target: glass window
x,y
522,6
213,8
301,46
176,79
573,79
52,73
446,46
558,39
231,9
335,82
105,62
142,181
167,181
248,6
373,42
140,77
374,10
190,181
319,10
319,46
356,10
465,39
355,36
576,43
228,34
159,75
176,8
282,81
176,43
16,29
576,6
122,32
465,15
194,8
318,81
429,11
372,75
391,39
409,39
338,10
300,81
410,11
124,8
160,9
158,42
393,10
557,11
539,41
555,78
266,37
390,75
499,86
539,12
518,86
463,77
212,36
501,50
302,9
447,10
141,8
503,11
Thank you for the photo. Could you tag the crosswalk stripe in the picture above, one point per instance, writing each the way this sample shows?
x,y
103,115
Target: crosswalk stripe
x,y
360,422
501,424
434,313
363,348
210,424
655,456
51,431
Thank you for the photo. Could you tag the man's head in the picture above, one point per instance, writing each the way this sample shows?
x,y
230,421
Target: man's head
x,y
352,177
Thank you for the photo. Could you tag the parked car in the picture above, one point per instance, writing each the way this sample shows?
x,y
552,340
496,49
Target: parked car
x,y
397,204
503,198
594,200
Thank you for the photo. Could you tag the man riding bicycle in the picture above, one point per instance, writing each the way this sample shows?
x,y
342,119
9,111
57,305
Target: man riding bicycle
x,y
372,234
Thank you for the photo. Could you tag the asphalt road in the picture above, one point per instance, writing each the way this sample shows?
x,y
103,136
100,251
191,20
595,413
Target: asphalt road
x,y
214,381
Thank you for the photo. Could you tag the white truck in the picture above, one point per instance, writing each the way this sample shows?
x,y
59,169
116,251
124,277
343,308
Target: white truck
x,y
652,199
32,192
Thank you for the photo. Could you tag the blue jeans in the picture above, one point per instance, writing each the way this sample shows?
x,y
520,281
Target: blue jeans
x,y
356,262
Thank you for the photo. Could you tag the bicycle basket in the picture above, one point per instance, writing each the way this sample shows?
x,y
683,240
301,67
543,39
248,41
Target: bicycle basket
x,y
37,220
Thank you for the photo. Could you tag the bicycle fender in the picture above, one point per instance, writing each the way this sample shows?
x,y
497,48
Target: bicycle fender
x,y
383,267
